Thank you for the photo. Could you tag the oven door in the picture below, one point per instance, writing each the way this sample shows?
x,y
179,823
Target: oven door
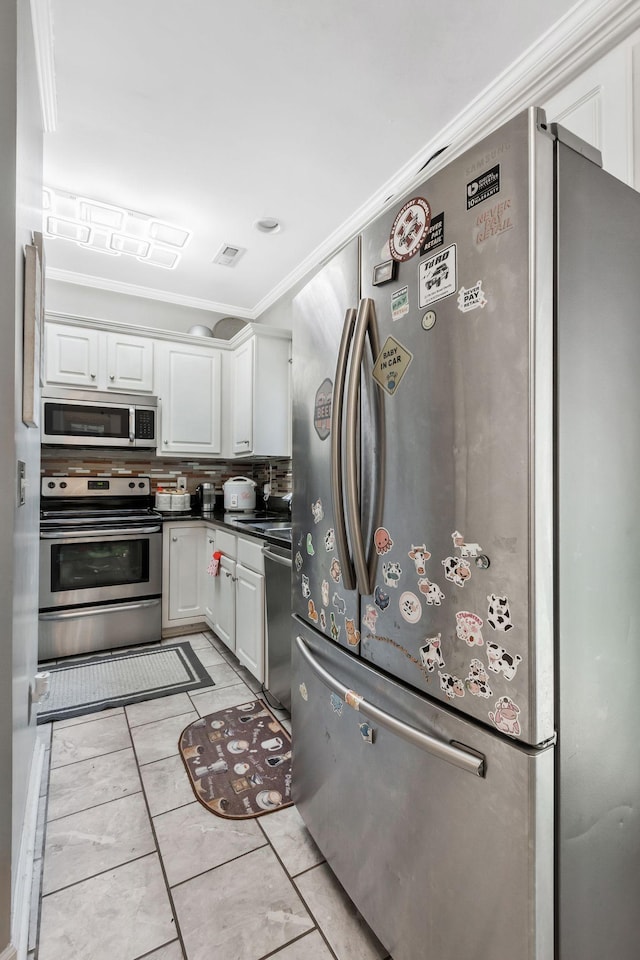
x,y
80,567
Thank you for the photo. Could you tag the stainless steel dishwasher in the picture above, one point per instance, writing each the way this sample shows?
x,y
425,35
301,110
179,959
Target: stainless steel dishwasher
x,y
277,574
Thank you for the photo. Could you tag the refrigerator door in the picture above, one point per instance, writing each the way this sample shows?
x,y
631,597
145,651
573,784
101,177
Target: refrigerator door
x,y
440,831
323,582
464,549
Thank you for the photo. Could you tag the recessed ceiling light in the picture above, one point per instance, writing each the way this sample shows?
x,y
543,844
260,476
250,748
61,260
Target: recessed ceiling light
x,y
267,225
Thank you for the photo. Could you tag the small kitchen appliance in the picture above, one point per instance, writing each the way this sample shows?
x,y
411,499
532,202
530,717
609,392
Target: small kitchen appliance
x,y
205,497
88,419
239,493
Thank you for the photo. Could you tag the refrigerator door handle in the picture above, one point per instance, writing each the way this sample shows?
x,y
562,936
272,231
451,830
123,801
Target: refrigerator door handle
x,y
365,317
459,756
342,545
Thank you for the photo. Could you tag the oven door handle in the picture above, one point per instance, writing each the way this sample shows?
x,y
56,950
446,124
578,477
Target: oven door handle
x,y
91,611
89,534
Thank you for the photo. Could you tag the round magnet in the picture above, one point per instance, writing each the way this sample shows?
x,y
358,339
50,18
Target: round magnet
x,y
429,320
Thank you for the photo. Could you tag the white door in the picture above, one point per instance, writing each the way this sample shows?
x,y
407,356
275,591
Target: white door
x,y
191,400
243,383
185,571
224,602
250,620
129,363
71,355
207,579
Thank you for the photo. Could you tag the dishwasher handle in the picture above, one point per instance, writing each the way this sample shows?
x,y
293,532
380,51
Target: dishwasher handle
x,y
458,756
277,558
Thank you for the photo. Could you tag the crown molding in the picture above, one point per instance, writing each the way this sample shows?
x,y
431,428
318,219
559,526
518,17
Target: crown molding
x,y
587,32
42,25
150,293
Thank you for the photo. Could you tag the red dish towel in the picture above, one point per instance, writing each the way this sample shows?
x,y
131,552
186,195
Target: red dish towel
x,y
214,564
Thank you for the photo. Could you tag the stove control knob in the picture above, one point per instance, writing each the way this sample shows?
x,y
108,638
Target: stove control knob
x,y
141,484
131,484
51,484
63,484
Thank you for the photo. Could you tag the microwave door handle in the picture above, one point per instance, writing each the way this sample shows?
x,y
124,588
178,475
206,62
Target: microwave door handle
x,y
366,309
342,545
132,424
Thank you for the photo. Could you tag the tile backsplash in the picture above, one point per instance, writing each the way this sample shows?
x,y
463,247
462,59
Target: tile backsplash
x,y
164,471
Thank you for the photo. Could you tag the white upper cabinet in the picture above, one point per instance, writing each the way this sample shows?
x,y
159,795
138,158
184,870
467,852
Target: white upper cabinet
x,y
190,392
598,106
71,355
129,363
79,356
260,396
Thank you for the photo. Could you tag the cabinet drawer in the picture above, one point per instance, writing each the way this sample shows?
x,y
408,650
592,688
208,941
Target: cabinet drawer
x,y
226,543
250,554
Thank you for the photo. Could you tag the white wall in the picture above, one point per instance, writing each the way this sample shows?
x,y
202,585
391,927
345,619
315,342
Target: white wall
x,y
79,301
20,213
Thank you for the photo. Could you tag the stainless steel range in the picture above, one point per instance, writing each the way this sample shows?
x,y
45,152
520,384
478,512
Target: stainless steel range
x,y
100,565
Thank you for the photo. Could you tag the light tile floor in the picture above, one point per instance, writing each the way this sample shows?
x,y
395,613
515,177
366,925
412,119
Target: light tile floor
x,y
133,867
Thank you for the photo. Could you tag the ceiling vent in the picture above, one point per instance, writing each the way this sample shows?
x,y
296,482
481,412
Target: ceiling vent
x,y
228,255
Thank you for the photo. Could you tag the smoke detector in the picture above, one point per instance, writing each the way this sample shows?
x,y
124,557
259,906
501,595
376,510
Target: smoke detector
x,y
228,255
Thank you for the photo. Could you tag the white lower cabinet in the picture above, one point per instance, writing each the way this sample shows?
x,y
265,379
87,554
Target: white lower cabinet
x,y
183,546
234,604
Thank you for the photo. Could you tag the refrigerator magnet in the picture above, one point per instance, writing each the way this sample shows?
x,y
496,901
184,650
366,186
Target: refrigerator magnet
x,y
370,618
312,612
428,321
438,276
466,549
330,540
410,607
306,589
501,661
366,731
381,598
477,681
409,229
339,604
336,703
322,409
303,692
432,593
335,629
384,272
353,635
323,619
469,628
325,593
505,716
353,699
317,511
391,365
456,570
400,303
391,573
419,555
431,654
451,686
472,298
334,570
310,549
382,541
498,613
298,561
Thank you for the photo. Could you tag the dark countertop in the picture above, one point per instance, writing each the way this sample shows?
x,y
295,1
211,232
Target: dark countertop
x,y
239,522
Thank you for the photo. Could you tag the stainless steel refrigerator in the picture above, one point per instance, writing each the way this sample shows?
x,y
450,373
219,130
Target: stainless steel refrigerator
x,y
466,562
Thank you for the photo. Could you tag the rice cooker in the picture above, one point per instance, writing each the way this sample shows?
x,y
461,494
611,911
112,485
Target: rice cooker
x,y
239,494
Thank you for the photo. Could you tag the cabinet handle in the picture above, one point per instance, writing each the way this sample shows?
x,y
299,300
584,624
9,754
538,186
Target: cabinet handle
x,y
210,540
112,376
93,376
175,539
165,441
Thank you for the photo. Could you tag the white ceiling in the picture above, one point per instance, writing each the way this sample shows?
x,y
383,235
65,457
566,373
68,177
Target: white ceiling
x,y
210,115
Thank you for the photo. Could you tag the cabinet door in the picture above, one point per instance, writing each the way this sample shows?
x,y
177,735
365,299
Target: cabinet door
x,y
129,363
207,580
250,620
185,571
224,602
242,409
71,355
191,401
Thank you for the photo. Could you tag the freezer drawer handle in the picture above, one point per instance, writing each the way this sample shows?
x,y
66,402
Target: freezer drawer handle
x,y
471,762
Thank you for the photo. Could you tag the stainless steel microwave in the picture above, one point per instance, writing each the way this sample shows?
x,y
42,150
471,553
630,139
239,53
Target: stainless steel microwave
x,y
88,419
